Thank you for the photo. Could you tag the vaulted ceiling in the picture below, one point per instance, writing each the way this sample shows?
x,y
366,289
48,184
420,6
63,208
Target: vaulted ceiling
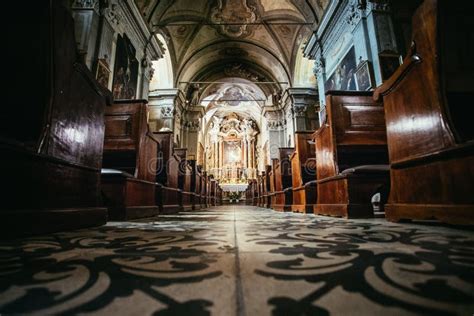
x,y
254,40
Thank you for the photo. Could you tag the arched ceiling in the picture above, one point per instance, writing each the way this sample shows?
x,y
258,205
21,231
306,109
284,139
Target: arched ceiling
x,y
219,98
254,40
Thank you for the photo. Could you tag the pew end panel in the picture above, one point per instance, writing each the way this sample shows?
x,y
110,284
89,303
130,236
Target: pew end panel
x,y
167,174
267,196
303,172
430,137
283,181
54,158
351,155
129,162
184,178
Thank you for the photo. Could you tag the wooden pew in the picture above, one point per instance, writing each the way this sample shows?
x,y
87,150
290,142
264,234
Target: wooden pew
x,y
260,190
199,188
283,180
212,191
52,132
204,190
272,183
255,192
129,162
266,187
195,184
167,174
251,192
303,167
219,195
351,155
184,179
430,135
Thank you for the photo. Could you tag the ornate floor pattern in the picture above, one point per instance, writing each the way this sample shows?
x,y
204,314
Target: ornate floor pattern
x,y
241,260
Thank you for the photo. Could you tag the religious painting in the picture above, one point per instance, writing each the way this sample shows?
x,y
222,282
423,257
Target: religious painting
x,y
232,152
364,77
389,63
125,70
103,73
343,77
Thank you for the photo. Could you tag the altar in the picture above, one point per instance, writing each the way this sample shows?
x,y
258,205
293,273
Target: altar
x,y
234,187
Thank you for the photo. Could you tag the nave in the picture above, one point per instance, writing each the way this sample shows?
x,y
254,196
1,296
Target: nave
x,y
241,260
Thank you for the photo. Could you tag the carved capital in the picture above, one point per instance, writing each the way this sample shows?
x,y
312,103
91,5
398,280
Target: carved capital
x,y
354,15
192,125
86,4
299,110
319,67
113,13
276,125
167,112
378,5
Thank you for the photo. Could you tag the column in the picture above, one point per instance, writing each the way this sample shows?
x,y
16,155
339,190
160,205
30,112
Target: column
x,y
221,160
304,104
381,35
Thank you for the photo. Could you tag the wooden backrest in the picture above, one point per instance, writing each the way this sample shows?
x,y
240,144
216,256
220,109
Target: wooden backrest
x,y
168,162
303,162
262,183
204,183
353,133
194,185
128,144
283,168
213,186
427,97
62,111
273,185
184,169
268,169
198,179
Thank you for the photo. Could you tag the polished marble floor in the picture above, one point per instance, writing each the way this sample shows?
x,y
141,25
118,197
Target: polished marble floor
x,y
241,260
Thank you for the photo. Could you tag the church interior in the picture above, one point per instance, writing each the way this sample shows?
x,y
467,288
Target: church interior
x,y
238,157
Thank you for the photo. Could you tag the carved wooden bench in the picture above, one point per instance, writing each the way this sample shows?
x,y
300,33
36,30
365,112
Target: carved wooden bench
x,y
129,162
303,167
283,180
430,135
351,155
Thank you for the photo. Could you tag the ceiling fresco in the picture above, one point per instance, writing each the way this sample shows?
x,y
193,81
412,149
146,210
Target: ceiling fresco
x,y
254,40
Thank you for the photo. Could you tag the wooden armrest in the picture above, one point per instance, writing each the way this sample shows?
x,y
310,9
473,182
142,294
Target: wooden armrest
x,y
115,173
366,169
402,71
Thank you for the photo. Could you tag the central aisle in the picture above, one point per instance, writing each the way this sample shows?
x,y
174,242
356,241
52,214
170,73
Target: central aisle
x,y
241,260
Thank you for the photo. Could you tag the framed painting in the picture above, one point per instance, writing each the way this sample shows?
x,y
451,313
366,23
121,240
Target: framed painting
x,y
342,77
364,76
103,73
125,70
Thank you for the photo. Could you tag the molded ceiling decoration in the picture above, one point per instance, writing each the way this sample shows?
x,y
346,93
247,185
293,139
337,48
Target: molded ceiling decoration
x,y
255,40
